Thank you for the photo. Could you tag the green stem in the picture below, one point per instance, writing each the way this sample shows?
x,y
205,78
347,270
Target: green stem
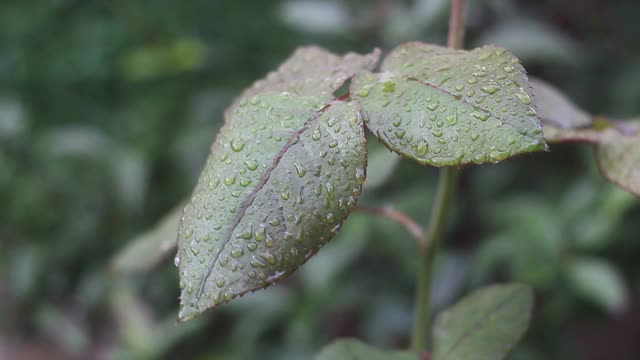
x,y
437,226
440,211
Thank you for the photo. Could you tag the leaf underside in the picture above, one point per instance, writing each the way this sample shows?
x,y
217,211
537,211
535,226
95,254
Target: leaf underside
x,y
285,170
617,143
352,349
485,325
445,107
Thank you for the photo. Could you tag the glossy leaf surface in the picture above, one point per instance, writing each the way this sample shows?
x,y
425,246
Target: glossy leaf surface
x,y
283,174
485,325
445,107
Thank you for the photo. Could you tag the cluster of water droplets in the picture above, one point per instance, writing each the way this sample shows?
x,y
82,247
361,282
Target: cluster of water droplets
x,y
444,107
275,189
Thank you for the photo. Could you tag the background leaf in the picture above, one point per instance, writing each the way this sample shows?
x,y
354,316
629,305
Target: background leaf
x,y
598,281
148,249
445,107
617,143
352,349
283,174
556,108
618,157
485,325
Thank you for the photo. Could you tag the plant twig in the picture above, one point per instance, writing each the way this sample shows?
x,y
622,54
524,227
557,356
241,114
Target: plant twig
x,y
455,39
412,227
440,211
437,226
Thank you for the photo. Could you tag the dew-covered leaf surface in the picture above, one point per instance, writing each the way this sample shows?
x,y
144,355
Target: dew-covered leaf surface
x,y
313,71
352,349
485,325
283,174
445,107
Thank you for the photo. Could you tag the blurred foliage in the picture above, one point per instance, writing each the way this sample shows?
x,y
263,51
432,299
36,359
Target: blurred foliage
x,y
107,112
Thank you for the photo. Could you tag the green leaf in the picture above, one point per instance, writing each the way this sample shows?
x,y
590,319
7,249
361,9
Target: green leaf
x,y
485,325
146,250
352,349
617,142
556,108
618,156
284,172
599,281
445,107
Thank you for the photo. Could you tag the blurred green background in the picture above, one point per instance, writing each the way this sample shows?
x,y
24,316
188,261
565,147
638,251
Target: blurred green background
x,y
107,112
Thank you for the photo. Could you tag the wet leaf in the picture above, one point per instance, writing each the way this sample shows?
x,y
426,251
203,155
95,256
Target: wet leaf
x,y
286,169
352,349
311,70
445,107
485,325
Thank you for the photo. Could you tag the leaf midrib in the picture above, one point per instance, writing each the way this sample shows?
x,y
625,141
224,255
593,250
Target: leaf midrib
x,y
480,322
251,197
503,121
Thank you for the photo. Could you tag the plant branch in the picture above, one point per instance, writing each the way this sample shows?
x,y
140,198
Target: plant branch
x,y
440,211
409,224
437,226
455,39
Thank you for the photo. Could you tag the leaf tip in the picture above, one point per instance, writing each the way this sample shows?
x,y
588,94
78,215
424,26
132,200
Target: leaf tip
x,y
187,313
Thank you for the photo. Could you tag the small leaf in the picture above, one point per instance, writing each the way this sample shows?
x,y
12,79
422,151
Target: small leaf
x,y
618,157
352,349
556,108
617,142
285,171
312,70
485,325
146,250
599,281
445,107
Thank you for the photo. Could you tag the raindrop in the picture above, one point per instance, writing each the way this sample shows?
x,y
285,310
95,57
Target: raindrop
x,y
230,180
481,114
269,258
490,88
236,253
213,184
388,87
422,149
237,146
251,165
524,97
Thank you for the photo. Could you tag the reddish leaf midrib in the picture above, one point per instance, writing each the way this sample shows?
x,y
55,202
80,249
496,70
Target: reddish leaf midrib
x,y
251,197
